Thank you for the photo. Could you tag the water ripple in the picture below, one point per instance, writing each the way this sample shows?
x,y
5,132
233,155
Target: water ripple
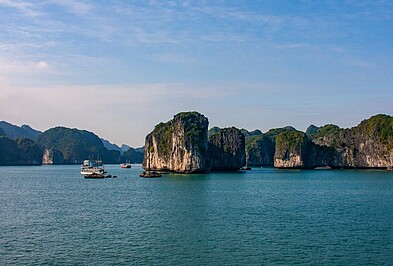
x,y
51,215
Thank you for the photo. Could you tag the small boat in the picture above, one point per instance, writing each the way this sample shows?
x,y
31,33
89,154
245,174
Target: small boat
x,y
125,165
93,169
327,167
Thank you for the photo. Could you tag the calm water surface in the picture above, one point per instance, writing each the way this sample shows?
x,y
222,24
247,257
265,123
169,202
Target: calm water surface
x,y
52,215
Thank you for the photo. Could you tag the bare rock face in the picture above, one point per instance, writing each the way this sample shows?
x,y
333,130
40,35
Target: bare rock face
x,y
227,150
290,150
52,156
260,151
180,145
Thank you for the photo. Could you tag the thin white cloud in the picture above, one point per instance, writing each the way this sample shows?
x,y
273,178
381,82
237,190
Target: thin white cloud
x,y
26,8
195,22
14,67
42,65
293,46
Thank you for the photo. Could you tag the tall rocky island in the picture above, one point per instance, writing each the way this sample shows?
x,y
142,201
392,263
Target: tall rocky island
x,y
182,145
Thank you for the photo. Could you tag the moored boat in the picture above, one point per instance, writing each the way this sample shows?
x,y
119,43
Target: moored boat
x,y
93,169
125,165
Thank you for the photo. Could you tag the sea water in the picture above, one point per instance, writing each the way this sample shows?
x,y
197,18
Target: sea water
x,y
52,215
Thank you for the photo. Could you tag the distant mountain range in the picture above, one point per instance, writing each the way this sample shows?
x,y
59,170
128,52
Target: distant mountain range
x,y
24,131
112,146
23,145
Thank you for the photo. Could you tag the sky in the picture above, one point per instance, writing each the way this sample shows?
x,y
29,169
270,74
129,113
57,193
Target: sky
x,y
118,68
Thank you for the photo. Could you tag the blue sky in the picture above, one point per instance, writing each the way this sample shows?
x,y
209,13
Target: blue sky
x,y
117,68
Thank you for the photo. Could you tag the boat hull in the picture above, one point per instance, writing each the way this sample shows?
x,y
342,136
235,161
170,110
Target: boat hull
x,y
125,165
94,176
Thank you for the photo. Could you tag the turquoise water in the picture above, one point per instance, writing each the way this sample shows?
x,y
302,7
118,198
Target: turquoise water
x,y
52,215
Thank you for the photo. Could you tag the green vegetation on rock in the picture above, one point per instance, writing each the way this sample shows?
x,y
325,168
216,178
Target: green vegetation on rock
x,y
260,148
328,131
292,141
195,129
21,151
252,141
311,131
163,132
273,133
213,131
247,133
379,126
9,153
187,116
29,152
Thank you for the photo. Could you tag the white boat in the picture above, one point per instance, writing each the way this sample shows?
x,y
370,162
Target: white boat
x,y
127,164
93,169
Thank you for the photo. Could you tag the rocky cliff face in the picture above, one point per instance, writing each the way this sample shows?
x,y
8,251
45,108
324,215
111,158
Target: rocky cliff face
x,y
179,145
52,156
260,151
290,150
368,145
226,150
182,145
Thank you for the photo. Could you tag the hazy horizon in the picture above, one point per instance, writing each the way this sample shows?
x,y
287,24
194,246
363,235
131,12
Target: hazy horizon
x,y
118,69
